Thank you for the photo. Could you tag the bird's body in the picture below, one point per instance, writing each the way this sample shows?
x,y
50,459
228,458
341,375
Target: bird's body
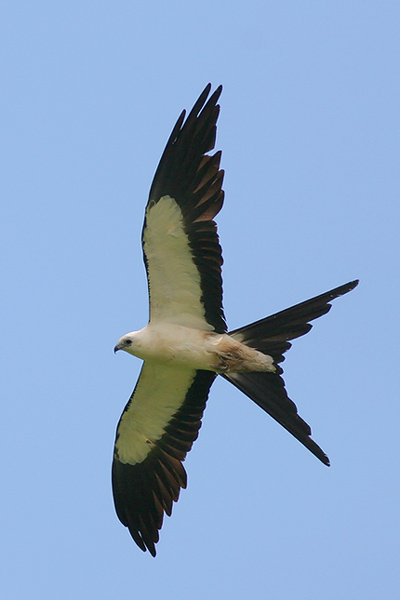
x,y
168,343
186,343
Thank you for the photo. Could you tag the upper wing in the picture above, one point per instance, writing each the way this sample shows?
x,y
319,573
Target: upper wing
x,y
156,430
180,242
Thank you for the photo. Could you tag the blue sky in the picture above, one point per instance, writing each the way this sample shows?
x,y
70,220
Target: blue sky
x,y
309,130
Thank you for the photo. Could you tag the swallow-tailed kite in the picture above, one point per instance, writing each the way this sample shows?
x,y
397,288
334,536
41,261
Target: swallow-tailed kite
x,y
186,344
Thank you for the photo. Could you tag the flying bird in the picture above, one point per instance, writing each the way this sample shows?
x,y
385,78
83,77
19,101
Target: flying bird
x,y
186,343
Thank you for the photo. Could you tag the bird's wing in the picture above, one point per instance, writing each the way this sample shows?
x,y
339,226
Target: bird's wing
x,y
180,242
156,430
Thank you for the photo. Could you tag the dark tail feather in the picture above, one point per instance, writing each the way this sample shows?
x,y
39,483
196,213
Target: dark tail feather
x,y
268,391
270,336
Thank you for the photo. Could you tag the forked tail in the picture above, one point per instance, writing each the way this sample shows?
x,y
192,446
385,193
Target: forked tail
x,y
271,336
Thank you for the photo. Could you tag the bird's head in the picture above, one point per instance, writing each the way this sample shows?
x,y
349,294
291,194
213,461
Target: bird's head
x,y
126,343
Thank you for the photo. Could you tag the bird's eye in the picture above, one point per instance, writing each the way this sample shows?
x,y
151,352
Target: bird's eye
x,y
128,343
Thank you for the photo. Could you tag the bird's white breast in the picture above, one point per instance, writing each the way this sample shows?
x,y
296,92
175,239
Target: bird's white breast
x,y
177,344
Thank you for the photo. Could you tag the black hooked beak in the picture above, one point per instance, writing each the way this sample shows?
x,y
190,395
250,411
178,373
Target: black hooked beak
x,y
116,348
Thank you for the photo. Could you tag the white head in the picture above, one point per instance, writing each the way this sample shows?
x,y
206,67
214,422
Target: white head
x,y
127,343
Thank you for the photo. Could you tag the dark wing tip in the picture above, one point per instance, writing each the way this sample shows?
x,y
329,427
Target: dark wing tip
x,y
190,139
143,492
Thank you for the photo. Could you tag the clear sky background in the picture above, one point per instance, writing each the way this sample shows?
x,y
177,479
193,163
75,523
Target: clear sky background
x,y
309,130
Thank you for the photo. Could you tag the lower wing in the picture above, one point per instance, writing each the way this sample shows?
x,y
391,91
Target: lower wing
x,y
156,431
